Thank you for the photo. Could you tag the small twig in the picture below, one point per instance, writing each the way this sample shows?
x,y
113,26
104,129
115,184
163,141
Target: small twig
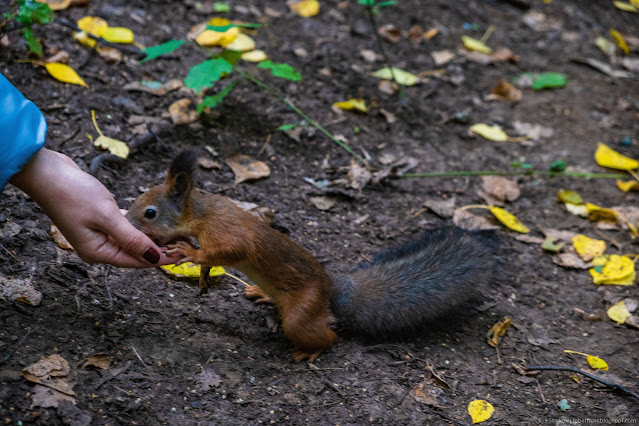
x,y
301,113
540,392
9,253
140,358
77,313
106,285
6,358
513,173
68,138
268,139
575,370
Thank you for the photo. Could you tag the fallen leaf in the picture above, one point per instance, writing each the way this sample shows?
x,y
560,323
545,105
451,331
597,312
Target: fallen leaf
x,y
242,43
416,34
401,77
571,260
618,38
217,38
480,410
497,331
118,35
625,6
114,146
577,209
323,202
19,290
182,112
431,33
45,397
631,185
305,8
442,57
352,104
613,270
529,239
100,360
477,45
64,73
533,131
245,168
509,220
358,177
548,80
588,248
207,379
498,189
110,55
390,32
466,220
93,25
56,4
608,157
551,245
559,235
426,393
586,316
605,45
59,239
504,91
254,56
153,52
595,362
442,208
619,313
50,366
570,197
191,270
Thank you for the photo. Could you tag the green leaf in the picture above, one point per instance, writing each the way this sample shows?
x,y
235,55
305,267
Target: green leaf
x,y
161,49
203,75
549,80
231,56
33,42
563,405
550,245
558,166
32,12
281,70
386,3
368,3
287,127
215,100
221,7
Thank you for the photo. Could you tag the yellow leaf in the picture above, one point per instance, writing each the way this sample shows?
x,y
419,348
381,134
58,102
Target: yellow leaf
x,y
588,248
631,185
306,8
635,3
619,313
493,133
509,220
93,25
474,44
601,213
216,38
594,361
64,73
577,209
357,104
607,157
618,38
114,146
617,270
497,331
84,39
606,46
191,270
56,4
118,35
219,22
480,410
402,77
254,56
570,197
241,43
626,6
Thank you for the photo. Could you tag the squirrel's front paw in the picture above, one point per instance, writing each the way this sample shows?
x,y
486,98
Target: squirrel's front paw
x,y
182,248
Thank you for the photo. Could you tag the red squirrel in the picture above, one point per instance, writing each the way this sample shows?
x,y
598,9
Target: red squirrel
x,y
401,289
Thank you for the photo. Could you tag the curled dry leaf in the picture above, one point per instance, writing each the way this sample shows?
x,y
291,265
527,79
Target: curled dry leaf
x,y
466,220
59,238
442,208
100,360
183,112
497,331
50,366
425,393
245,168
207,379
504,91
442,57
390,32
498,189
358,176
46,397
571,260
19,290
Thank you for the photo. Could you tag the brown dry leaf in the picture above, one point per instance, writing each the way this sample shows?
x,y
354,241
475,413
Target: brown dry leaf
x,y
499,55
45,397
50,366
100,360
558,235
183,112
388,116
390,32
533,131
208,164
416,34
61,57
442,208
571,260
426,393
207,379
442,57
323,202
59,238
466,220
358,177
498,189
529,239
504,91
110,55
497,331
19,290
245,168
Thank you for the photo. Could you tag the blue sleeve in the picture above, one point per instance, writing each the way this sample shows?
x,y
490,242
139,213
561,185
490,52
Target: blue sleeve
x,y
22,130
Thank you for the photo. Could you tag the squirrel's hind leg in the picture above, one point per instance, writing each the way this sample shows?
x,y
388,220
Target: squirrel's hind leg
x,y
255,292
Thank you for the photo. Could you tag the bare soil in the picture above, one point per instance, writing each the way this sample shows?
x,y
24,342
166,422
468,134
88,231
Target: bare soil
x,y
220,359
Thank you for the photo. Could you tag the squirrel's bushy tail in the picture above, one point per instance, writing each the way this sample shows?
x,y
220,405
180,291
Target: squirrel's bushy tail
x,y
413,284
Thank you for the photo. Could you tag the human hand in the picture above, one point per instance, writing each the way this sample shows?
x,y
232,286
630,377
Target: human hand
x,y
86,213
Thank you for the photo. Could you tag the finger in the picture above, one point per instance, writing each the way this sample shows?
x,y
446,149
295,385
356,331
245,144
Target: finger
x,y
132,241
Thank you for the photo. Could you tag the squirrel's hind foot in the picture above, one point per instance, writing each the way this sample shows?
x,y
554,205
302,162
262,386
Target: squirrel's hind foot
x,y
254,291
299,355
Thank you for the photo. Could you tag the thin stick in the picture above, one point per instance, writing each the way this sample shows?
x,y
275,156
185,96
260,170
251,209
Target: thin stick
x,y
301,113
268,139
106,284
9,253
238,279
6,358
138,355
513,173
575,370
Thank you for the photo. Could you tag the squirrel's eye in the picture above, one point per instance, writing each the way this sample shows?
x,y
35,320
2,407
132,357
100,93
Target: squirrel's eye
x,y
150,213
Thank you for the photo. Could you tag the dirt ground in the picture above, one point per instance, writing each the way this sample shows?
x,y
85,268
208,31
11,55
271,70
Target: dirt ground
x,y
178,358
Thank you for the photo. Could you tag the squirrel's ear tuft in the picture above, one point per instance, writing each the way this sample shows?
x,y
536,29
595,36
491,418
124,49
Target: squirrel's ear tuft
x,y
180,177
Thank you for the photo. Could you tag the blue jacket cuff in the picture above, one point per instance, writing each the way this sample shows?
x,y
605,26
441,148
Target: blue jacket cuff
x,y
22,130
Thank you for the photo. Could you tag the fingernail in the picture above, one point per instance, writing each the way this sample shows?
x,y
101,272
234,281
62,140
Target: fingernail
x,y
151,255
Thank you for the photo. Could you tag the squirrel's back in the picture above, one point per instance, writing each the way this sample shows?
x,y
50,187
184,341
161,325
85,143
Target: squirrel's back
x,y
404,288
